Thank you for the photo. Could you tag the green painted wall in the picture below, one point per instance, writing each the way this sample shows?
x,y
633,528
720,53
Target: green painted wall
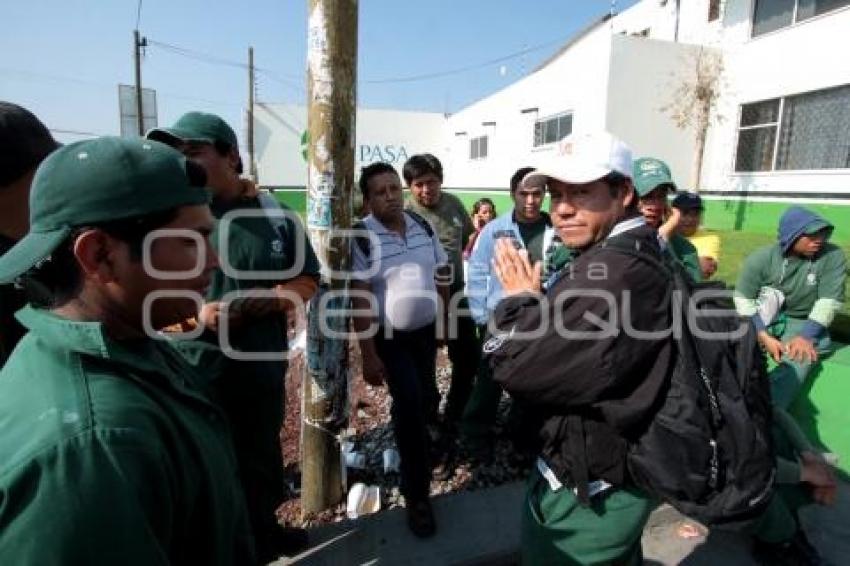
x,y
725,215
763,217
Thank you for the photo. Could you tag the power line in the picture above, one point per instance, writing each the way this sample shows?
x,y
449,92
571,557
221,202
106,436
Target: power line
x,y
473,67
98,84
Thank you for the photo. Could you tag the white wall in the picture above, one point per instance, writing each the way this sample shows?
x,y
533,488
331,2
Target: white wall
x,y
575,81
644,75
381,135
811,55
658,16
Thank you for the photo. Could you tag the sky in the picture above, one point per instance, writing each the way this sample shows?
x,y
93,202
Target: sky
x,y
63,59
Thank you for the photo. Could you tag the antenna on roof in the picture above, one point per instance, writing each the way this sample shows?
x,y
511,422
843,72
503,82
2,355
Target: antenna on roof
x,y
613,13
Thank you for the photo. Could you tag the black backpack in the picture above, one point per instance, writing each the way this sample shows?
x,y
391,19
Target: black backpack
x,y
708,450
365,245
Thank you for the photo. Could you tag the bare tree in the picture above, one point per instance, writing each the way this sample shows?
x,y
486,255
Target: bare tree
x,y
694,102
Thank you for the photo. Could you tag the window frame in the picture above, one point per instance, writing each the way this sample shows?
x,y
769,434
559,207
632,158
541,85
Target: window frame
x,y
794,21
545,120
778,124
475,147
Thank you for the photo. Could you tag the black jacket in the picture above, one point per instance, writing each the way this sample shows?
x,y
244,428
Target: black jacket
x,y
597,393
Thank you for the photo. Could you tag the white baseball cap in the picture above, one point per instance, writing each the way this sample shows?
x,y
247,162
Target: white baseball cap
x,y
583,158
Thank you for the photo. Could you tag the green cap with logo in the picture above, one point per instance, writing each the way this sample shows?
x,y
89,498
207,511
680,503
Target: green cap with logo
x,y
196,127
649,173
95,181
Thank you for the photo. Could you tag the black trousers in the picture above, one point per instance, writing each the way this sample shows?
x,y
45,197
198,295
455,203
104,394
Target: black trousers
x,y
410,358
465,355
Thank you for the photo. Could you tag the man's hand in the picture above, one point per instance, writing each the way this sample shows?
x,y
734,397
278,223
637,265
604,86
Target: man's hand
x,y
673,215
801,349
514,271
708,266
773,346
210,315
374,372
820,476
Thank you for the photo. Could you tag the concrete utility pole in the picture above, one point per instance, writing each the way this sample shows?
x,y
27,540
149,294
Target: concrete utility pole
x,y
252,163
138,43
331,96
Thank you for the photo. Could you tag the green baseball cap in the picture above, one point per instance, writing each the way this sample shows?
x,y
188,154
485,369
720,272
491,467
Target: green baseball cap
x,y
94,181
648,173
196,127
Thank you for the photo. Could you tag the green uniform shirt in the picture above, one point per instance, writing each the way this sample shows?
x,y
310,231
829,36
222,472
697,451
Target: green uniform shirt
x,y
453,227
112,454
532,236
681,250
803,281
260,242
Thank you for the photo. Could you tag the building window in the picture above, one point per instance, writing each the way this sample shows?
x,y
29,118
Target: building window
x,y
713,10
771,15
552,129
800,132
478,147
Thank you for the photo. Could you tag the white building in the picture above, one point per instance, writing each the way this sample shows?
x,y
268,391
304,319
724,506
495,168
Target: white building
x,y
780,129
381,135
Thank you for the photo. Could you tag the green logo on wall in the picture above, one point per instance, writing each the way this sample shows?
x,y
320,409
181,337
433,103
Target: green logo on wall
x,y
305,141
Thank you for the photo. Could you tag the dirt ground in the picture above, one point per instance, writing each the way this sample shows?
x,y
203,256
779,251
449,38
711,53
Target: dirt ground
x,y
371,433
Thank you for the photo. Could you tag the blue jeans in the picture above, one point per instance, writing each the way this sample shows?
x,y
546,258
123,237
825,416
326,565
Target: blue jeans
x,y
410,360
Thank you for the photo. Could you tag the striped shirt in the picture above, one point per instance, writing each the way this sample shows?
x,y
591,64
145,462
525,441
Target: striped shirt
x,y
401,273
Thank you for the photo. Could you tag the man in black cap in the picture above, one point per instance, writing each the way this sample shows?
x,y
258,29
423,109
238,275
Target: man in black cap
x,y
707,244
25,142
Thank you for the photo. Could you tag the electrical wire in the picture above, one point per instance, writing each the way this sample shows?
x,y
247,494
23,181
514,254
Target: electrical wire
x,y
473,67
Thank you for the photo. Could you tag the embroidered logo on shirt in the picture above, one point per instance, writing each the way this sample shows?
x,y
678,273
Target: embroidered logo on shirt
x,y
812,279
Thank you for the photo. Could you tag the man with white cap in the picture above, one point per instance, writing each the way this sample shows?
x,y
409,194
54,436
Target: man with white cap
x,y
573,354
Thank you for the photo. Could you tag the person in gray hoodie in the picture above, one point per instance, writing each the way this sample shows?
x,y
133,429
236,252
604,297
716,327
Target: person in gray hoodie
x,y
792,290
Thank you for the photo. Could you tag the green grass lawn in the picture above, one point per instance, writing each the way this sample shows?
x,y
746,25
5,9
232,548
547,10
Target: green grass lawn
x,y
736,246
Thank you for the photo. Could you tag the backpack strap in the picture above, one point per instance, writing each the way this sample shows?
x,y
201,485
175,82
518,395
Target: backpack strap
x,y
632,247
421,221
364,244
578,450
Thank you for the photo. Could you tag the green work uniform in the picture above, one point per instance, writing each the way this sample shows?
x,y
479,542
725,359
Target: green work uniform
x,y
557,529
453,227
113,454
809,285
683,251
532,236
780,520
257,239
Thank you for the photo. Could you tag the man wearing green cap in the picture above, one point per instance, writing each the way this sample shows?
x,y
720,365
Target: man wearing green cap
x,y
112,450
653,183
263,248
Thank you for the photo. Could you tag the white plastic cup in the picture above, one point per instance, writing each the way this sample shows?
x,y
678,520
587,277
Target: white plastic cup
x,y
363,500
